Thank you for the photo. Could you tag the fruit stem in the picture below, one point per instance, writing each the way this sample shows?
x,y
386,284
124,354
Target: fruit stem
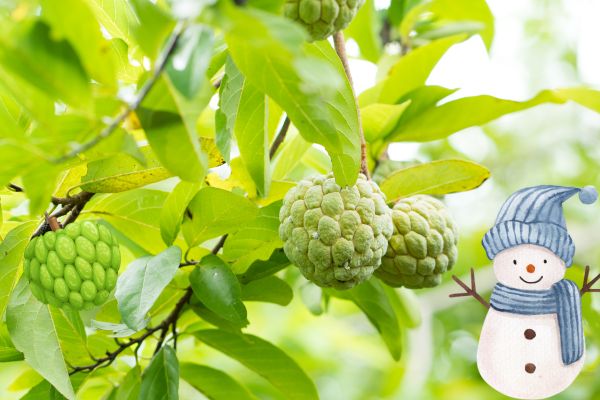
x,y
340,49
52,222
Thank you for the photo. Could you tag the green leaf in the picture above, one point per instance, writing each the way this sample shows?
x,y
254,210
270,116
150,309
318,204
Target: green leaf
x,y
135,213
160,380
306,80
142,282
229,99
263,358
153,27
409,73
33,333
270,290
260,269
173,209
214,384
187,65
74,21
251,134
11,255
176,148
216,286
71,336
436,177
122,172
39,183
215,212
116,16
379,119
372,299
255,240
50,66
129,389
8,352
407,306
118,330
364,29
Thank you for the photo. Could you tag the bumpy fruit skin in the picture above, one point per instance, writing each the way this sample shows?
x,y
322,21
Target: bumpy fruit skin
x,y
75,267
423,245
336,236
322,17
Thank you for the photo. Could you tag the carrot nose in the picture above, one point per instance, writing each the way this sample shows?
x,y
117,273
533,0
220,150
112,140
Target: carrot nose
x,y
530,268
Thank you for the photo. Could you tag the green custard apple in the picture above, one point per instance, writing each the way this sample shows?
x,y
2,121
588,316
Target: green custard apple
x,y
423,245
73,267
322,18
336,236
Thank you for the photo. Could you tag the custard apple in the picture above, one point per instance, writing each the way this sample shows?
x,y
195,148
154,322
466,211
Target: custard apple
x,y
322,17
73,267
336,236
423,245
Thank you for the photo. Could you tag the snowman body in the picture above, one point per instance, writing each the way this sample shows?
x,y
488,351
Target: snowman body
x,y
520,355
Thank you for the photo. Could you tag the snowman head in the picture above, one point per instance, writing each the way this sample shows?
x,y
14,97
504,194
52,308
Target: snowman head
x,y
528,267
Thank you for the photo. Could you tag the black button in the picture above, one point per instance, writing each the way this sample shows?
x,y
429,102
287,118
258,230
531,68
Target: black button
x,y
530,368
529,334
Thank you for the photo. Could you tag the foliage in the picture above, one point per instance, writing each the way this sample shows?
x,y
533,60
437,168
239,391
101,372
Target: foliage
x,y
179,126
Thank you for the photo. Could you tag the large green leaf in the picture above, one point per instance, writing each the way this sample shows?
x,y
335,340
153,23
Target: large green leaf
x,y
152,28
11,255
160,380
216,286
306,80
436,177
437,122
74,21
8,352
364,29
135,213
213,383
174,207
379,119
252,137
142,282
260,269
373,300
71,336
116,16
215,212
187,65
229,100
409,73
50,66
466,10
33,332
39,182
129,389
270,290
289,155
175,146
263,358
255,240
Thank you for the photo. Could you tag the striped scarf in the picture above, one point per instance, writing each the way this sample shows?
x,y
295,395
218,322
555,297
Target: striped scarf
x,y
562,298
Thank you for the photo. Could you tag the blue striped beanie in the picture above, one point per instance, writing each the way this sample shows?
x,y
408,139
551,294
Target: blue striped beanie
x,y
534,215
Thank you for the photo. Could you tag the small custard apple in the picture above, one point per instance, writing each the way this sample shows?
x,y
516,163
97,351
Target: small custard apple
x,y
322,18
335,235
73,267
423,245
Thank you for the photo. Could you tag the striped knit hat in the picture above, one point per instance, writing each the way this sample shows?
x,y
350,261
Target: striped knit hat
x,y
534,215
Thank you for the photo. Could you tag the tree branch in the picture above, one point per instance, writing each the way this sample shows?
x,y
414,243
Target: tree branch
x,y
160,65
340,48
469,291
587,286
280,137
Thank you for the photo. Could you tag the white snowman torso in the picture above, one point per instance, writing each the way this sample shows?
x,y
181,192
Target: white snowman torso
x,y
519,355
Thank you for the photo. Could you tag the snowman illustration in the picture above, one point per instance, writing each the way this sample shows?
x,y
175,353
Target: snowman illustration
x,y
531,344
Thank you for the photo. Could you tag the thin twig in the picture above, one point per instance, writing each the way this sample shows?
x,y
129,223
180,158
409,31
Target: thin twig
x,y
340,48
160,65
587,286
280,137
469,291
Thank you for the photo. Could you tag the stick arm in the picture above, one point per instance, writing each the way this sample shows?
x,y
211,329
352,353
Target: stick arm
x,y
470,291
587,286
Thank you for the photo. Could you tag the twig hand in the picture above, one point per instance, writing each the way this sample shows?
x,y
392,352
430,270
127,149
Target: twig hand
x,y
469,291
587,286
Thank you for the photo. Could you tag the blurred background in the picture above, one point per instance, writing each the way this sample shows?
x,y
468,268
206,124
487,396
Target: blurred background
x,y
538,44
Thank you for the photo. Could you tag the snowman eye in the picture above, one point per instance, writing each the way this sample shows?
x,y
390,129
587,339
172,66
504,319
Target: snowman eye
x,y
545,261
515,262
